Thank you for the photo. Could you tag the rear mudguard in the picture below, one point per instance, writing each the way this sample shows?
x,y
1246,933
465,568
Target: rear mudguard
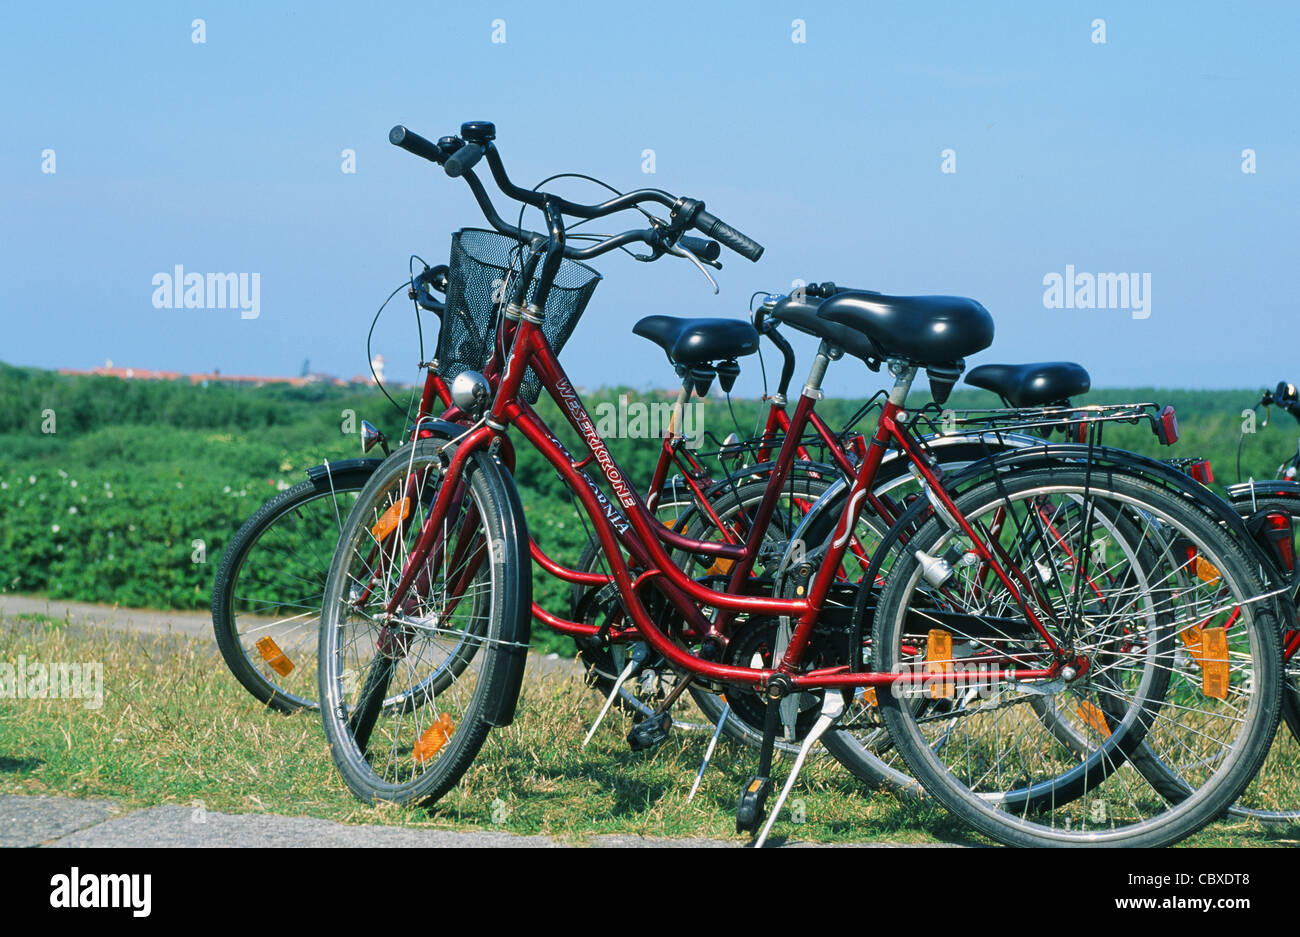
x,y
364,467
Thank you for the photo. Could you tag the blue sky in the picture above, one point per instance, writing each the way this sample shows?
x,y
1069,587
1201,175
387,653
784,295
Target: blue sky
x,y
225,156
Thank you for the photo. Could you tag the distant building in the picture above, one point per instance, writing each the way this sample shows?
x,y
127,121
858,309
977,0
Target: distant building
x,y
216,377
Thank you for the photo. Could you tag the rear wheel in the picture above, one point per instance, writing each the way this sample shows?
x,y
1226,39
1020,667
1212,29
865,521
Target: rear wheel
x,y
984,748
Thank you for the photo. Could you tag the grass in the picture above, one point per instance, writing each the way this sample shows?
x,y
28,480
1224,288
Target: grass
x,y
175,728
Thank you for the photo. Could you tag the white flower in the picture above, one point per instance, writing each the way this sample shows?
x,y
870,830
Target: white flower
x,y
73,483
106,488
54,528
62,474
31,479
72,510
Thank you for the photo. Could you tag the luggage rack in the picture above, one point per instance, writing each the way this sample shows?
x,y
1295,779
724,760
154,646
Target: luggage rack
x,y
1078,423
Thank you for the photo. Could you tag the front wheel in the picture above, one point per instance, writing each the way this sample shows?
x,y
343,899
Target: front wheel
x,y
411,683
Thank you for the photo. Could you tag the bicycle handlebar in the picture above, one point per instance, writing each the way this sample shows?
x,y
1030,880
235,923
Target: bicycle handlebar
x,y
458,159
463,160
715,228
1285,396
414,143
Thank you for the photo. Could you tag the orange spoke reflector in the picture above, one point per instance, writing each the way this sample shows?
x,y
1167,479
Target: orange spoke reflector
x,y
869,696
273,656
389,520
721,567
1093,717
1193,637
938,659
1205,570
433,738
1214,663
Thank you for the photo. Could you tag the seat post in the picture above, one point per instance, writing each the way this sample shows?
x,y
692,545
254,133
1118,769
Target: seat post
x,y
904,373
826,353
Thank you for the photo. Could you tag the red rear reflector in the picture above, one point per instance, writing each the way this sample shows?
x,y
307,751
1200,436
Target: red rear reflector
x,y
1279,533
1201,472
1078,430
1167,427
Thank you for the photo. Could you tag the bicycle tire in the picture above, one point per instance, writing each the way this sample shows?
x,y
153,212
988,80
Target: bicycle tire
x,y
414,753
233,598
1228,775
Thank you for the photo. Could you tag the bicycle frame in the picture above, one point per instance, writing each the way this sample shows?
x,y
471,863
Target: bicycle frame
x,y
695,475
528,347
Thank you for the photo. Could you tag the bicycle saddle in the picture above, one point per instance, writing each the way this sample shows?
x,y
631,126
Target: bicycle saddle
x,y
1034,384
695,341
927,330
801,315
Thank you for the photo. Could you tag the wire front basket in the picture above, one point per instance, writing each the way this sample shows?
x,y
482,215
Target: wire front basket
x,y
482,264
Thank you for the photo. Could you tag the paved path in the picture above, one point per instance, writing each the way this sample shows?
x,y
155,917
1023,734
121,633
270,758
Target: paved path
x,y
196,624
63,822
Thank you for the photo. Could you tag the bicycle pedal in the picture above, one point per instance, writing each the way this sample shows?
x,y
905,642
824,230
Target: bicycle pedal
x,y
650,733
750,808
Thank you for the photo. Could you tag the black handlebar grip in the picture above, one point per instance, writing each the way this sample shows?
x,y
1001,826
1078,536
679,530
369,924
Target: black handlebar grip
x,y
463,160
721,231
414,143
704,249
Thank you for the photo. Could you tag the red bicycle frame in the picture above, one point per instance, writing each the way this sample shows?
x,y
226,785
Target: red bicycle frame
x,y
643,537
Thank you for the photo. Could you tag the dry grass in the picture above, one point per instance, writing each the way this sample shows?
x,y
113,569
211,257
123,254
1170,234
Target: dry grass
x,y
176,728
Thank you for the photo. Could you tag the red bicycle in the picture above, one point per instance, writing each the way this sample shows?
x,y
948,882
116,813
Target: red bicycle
x,y
429,590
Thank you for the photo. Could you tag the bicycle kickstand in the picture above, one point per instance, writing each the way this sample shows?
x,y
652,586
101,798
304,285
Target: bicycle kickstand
x,y
634,660
832,709
708,752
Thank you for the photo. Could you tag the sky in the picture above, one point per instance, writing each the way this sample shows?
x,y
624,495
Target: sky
x,y
227,156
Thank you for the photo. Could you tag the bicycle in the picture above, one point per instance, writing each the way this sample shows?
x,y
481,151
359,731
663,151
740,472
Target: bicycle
x,y
462,531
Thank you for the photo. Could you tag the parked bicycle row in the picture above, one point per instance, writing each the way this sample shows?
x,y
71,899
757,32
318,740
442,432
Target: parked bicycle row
x,y
1061,641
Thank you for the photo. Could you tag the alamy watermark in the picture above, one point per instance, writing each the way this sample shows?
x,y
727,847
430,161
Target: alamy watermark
x,y
181,290
59,680
1071,290
648,420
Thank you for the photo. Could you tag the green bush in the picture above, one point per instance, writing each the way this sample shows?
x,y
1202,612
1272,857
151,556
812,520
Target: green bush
x,y
109,507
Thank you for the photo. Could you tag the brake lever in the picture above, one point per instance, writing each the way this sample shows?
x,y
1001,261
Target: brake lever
x,y
679,251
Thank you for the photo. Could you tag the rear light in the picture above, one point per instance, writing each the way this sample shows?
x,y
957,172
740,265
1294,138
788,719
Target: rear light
x,y
1167,426
1278,532
1202,472
858,446
1078,430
